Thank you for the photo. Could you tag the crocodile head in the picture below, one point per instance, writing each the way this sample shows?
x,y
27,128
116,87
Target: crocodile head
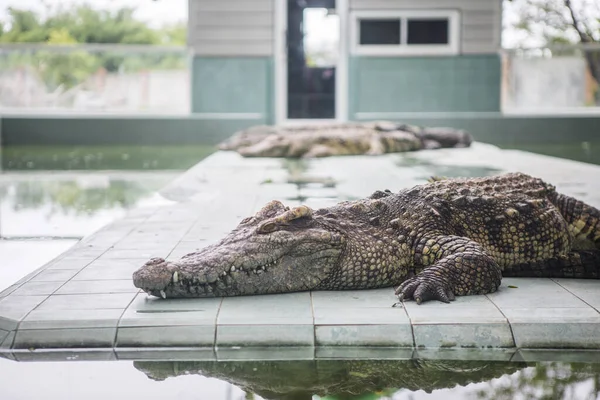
x,y
277,250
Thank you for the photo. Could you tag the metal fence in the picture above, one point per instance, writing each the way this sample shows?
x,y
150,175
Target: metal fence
x,y
551,79
94,78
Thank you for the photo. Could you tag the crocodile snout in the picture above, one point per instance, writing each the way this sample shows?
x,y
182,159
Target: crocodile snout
x,y
155,275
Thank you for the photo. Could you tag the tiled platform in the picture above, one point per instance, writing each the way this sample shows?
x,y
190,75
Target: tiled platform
x,y
85,297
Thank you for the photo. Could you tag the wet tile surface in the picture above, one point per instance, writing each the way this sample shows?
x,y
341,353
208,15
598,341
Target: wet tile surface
x,y
86,298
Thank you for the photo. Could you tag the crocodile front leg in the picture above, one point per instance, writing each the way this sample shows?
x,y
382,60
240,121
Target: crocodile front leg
x,y
457,266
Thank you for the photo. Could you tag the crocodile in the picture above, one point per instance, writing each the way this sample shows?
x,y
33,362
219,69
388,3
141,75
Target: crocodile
x,y
353,138
434,241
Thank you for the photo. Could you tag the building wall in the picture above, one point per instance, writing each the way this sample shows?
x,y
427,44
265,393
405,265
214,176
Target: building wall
x,y
245,27
240,86
232,42
383,86
232,65
231,27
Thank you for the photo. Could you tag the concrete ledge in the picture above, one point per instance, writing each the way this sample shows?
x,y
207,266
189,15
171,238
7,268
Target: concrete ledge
x,y
85,298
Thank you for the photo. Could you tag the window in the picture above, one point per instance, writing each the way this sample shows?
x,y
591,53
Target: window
x,y
428,31
379,31
391,33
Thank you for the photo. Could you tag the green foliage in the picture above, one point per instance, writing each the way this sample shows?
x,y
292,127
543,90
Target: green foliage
x,y
26,27
175,34
84,24
65,70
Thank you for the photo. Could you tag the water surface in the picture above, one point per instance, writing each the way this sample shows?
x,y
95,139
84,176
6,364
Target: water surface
x,y
301,379
44,214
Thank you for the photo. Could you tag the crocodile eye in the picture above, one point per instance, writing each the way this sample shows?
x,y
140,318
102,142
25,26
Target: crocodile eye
x,y
267,227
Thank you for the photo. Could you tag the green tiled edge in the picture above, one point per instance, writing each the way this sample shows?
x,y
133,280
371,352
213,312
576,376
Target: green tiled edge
x,y
425,84
232,85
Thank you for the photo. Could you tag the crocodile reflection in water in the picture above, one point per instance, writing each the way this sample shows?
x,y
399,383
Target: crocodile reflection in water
x,y
301,379
352,379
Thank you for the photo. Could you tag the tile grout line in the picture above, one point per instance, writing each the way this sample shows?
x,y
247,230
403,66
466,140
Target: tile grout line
x,y
412,328
312,310
585,302
214,346
182,236
114,343
512,334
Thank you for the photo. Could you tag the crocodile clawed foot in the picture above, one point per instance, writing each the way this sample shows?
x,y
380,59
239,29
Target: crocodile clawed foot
x,y
423,288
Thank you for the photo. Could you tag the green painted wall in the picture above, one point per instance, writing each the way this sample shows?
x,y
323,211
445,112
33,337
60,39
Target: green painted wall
x,y
424,84
233,85
492,127
91,130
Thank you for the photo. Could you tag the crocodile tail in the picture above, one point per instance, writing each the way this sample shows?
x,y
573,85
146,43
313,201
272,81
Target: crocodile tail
x,y
577,264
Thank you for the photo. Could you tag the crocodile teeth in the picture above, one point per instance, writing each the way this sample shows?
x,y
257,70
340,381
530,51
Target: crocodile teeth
x,y
163,294
175,277
232,269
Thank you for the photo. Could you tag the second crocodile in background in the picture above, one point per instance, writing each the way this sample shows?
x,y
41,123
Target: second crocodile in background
x,y
352,138
436,241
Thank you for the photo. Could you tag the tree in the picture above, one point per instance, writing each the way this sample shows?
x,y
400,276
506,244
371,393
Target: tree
x,y
84,24
562,22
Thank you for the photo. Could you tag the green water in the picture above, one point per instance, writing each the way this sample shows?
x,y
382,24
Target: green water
x,y
103,157
303,379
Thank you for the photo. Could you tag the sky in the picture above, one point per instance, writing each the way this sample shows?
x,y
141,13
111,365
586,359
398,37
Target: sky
x,y
156,13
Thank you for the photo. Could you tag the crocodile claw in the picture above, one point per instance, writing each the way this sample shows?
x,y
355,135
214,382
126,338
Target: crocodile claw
x,y
425,287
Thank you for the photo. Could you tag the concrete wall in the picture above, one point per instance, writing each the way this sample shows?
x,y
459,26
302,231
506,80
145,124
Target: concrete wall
x,y
550,83
89,130
94,130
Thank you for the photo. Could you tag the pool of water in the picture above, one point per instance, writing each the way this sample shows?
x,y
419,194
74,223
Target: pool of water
x,y
43,214
300,379
103,157
52,196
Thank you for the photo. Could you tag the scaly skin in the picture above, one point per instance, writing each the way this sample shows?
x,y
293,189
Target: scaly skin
x,y
436,241
373,138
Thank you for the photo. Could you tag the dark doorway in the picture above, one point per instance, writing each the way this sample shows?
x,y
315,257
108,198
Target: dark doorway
x,y
311,58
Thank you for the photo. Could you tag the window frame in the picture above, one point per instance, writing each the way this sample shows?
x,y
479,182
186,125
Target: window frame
x,y
405,49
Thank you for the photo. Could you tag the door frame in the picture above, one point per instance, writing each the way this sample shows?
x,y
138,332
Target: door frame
x,y
280,78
